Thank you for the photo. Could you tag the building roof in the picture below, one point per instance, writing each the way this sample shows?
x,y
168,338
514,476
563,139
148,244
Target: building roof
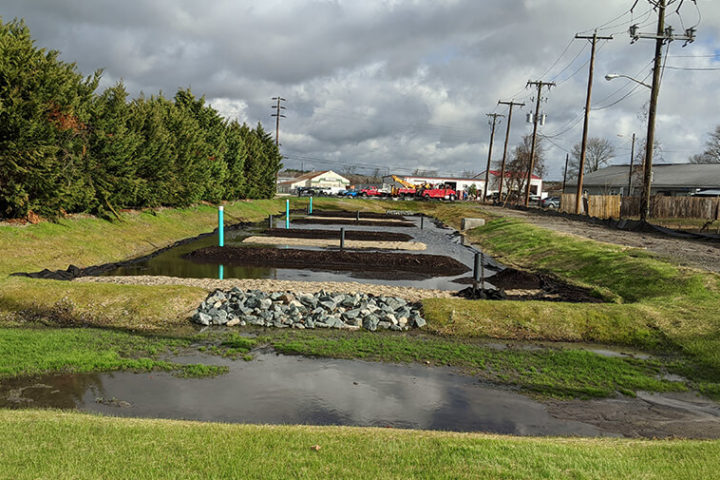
x,y
674,175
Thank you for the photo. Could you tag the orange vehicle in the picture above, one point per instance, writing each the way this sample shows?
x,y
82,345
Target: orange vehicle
x,y
407,189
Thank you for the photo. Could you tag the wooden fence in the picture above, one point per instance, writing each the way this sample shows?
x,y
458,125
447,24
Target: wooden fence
x,y
615,206
599,206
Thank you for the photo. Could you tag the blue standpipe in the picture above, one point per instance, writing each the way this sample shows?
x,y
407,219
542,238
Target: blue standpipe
x,y
221,272
287,213
221,224
310,209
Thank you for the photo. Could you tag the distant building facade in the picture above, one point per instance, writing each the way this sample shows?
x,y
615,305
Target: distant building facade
x,y
324,179
677,179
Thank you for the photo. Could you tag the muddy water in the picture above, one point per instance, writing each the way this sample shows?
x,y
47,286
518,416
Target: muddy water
x,y
439,241
279,389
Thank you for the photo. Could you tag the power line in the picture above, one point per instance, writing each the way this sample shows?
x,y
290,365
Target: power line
x,y
692,68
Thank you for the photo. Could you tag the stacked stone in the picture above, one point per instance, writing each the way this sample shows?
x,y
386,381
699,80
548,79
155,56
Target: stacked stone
x,y
319,310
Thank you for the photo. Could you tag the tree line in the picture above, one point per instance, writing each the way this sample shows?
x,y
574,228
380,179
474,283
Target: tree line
x,y
65,148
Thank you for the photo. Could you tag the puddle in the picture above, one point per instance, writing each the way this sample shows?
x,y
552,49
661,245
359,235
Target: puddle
x,y
278,389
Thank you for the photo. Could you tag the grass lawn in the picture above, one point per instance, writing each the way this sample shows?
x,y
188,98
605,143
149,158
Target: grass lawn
x,y
58,445
652,305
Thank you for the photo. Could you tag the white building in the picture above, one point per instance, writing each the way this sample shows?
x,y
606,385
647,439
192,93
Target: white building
x,y
325,179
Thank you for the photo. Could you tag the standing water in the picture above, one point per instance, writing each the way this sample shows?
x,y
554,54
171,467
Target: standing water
x,y
279,389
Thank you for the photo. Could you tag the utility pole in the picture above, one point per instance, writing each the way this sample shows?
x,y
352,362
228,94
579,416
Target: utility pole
x,y
632,160
278,113
583,148
567,157
494,117
662,36
510,105
539,84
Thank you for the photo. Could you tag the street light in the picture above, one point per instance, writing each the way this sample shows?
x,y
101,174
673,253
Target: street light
x,y
610,76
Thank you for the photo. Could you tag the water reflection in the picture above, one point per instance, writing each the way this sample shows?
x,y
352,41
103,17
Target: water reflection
x,y
439,241
279,389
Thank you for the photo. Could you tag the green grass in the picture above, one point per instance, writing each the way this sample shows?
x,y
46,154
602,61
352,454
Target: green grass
x,y
656,306
85,241
58,445
553,372
45,350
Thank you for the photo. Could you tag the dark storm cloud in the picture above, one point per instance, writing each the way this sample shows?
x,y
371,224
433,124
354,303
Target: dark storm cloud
x,y
401,84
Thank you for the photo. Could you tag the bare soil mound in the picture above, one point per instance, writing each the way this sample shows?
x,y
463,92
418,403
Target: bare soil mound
x,y
547,287
353,215
351,221
332,234
436,265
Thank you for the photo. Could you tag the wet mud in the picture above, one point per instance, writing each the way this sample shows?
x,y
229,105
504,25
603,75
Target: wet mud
x,y
437,265
333,234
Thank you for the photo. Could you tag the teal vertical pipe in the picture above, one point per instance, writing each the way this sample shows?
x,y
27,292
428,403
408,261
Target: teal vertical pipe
x,y
221,225
221,272
287,213
310,210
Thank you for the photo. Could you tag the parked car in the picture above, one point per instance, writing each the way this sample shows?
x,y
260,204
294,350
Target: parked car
x,y
310,192
348,193
550,202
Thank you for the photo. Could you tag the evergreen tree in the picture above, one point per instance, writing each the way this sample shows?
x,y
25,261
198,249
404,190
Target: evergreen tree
x,y
44,110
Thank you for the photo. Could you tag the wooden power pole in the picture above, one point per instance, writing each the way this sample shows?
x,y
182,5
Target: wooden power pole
x,y
510,105
583,146
662,36
277,116
539,84
494,117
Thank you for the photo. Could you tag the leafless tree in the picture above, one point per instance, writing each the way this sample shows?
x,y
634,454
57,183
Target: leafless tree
x,y
712,149
599,152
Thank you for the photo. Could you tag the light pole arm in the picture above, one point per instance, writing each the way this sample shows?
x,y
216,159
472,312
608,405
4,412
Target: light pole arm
x,y
610,76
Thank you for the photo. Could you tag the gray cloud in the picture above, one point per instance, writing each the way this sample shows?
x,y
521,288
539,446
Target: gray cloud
x,y
395,84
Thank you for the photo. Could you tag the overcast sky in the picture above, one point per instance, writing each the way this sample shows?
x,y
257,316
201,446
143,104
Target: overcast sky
x,y
399,85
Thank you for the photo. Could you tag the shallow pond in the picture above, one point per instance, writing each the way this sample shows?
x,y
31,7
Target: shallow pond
x,y
439,241
279,389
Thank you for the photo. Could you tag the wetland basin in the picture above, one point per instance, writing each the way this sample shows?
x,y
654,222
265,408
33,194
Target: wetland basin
x,y
439,240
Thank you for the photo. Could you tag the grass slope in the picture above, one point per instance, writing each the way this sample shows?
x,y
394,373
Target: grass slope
x,y
47,444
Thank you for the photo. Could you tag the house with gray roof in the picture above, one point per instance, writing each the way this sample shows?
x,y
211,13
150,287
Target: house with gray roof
x,y
676,179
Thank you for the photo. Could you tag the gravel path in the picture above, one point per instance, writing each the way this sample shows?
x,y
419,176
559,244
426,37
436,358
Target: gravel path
x,y
693,253
408,293
327,242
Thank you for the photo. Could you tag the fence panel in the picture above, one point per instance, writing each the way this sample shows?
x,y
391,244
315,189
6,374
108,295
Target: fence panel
x,y
674,207
600,206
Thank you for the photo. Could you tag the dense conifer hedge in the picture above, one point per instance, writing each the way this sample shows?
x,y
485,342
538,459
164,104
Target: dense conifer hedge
x,y
66,148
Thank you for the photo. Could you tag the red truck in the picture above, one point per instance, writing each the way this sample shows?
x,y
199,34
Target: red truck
x,y
371,192
439,193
